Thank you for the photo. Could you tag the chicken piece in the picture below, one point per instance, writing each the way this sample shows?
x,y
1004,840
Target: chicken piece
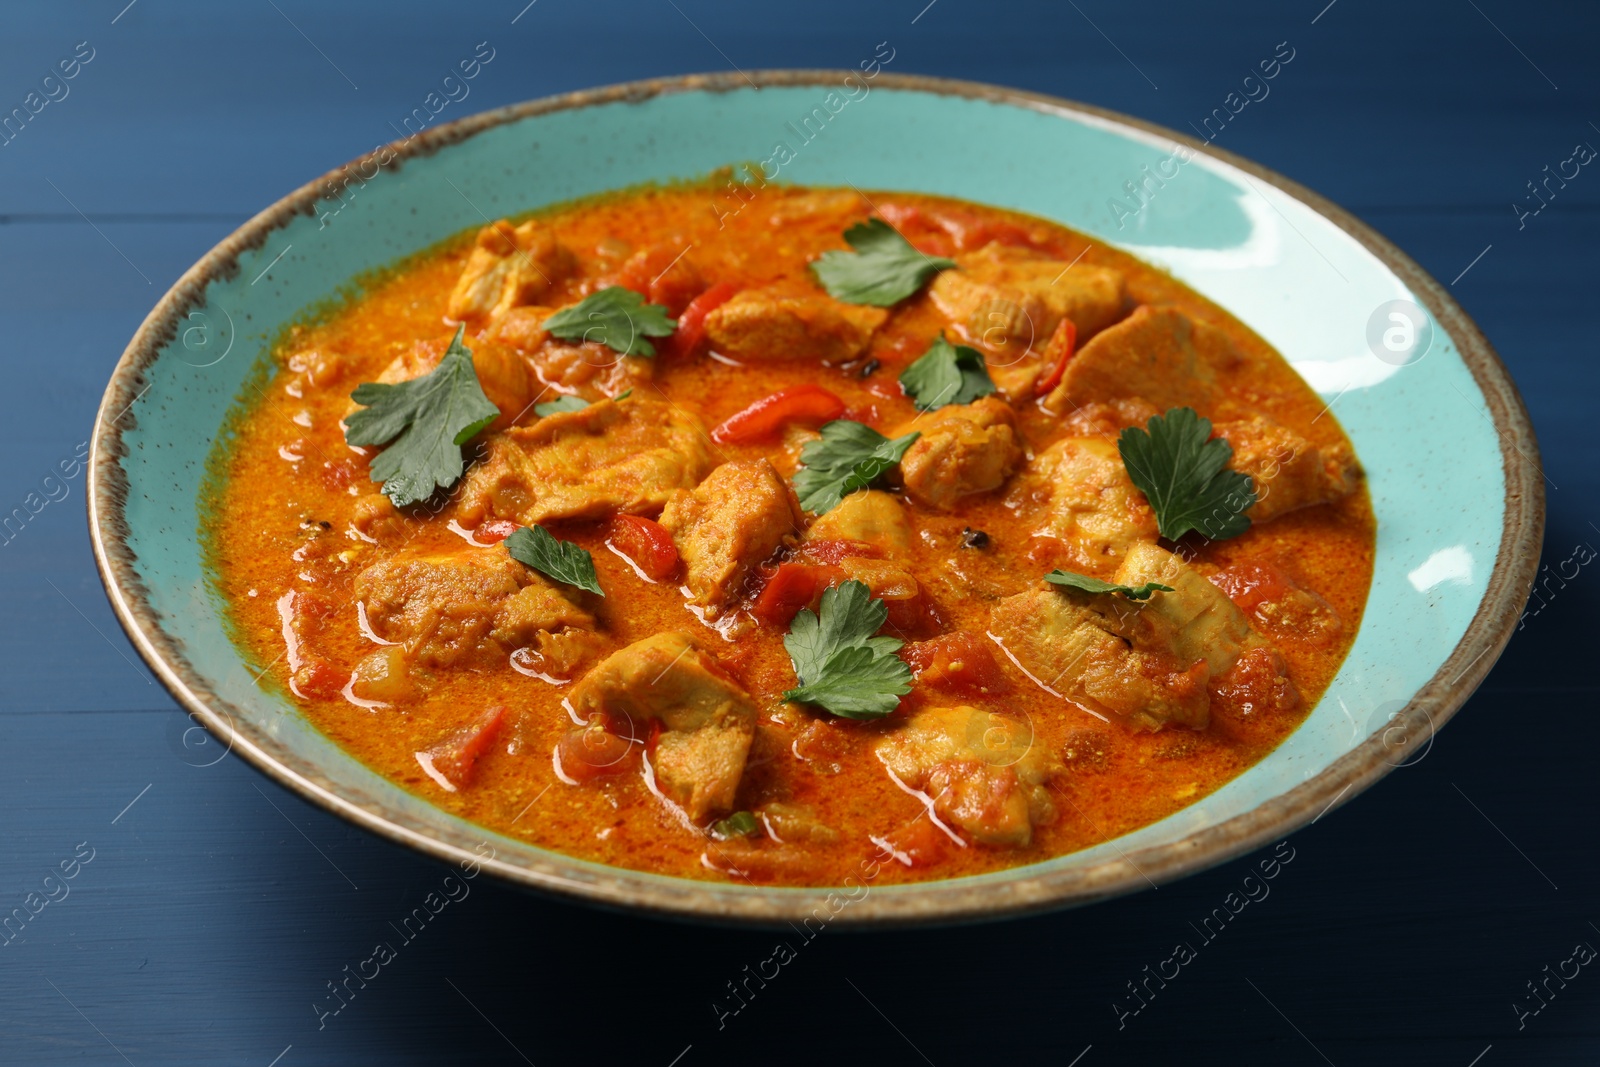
x,y
1157,353
730,522
784,322
1288,471
509,266
1147,662
707,720
590,370
839,207
981,770
468,606
504,374
1011,299
964,449
1092,513
588,464
867,515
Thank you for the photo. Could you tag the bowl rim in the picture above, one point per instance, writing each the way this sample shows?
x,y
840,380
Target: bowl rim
x,y
1027,890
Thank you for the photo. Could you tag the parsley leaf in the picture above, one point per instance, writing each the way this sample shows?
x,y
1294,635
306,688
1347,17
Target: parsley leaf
x,y
561,560
849,456
884,269
840,666
616,317
946,374
560,404
424,422
1073,580
1179,468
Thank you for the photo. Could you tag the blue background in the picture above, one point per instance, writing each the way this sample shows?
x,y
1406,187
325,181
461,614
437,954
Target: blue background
x,y
217,906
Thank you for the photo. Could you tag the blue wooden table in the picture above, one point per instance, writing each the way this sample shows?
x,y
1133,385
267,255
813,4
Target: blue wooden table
x,y
181,909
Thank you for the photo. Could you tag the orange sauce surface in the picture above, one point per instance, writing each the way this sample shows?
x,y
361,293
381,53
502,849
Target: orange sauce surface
x,y
285,523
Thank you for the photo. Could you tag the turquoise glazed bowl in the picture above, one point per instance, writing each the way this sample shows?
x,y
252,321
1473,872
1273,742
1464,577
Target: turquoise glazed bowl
x,y
1450,456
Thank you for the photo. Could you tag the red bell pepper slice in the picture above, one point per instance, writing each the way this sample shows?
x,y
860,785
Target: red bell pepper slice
x,y
1063,343
646,543
692,323
452,761
807,403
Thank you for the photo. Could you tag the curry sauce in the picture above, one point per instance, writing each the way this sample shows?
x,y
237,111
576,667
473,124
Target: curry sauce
x,y
1040,720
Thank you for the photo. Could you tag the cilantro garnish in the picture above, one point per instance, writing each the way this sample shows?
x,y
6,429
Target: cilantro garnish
x,y
1179,468
560,404
561,560
424,422
849,456
884,269
739,824
1073,580
616,317
946,374
840,665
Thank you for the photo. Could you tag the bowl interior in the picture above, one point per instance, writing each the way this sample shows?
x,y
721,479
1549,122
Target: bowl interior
x,y
1422,431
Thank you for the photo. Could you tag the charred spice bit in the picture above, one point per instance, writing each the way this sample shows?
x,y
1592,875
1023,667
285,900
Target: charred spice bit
x,y
869,368
974,538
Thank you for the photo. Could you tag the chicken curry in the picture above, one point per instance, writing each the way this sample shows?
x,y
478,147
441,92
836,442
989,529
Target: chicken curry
x,y
745,546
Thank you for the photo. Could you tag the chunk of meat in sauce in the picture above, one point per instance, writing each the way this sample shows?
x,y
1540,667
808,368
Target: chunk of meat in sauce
x,y
980,770
707,720
590,369
736,518
468,606
1010,299
1148,662
509,266
866,537
870,516
788,322
609,457
1288,471
1157,353
964,449
1088,513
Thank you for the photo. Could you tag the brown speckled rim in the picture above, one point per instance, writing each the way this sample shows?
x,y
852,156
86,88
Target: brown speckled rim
x,y
1028,889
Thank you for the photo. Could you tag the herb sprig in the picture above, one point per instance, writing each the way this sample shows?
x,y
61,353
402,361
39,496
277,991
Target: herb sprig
x,y
616,317
1179,467
1074,580
554,558
424,422
883,270
849,456
946,374
840,665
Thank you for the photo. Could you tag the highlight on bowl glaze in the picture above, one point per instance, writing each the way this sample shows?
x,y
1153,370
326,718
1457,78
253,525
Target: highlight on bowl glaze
x,y
1450,456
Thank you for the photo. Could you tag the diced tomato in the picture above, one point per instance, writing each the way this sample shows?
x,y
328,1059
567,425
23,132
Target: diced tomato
x,y
1252,583
647,543
452,761
1257,684
592,751
808,404
793,586
317,679
662,276
692,323
1063,343
959,661
918,843
495,530
834,551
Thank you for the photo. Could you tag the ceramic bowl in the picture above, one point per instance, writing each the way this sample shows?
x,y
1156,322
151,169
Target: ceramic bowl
x,y
1450,456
